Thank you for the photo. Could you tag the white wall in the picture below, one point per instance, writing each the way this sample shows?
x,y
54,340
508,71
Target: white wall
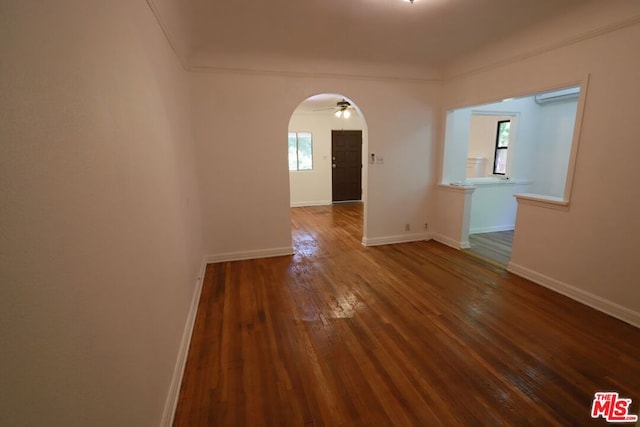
x,y
456,145
524,112
493,206
243,169
99,226
313,187
451,225
482,139
556,122
538,154
590,250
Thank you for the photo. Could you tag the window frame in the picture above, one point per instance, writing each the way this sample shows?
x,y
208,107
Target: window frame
x,y
498,147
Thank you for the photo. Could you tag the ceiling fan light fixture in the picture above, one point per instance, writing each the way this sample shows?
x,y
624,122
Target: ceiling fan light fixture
x,y
338,113
346,114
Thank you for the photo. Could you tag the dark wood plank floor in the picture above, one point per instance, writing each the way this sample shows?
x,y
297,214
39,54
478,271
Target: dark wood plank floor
x,y
494,246
410,334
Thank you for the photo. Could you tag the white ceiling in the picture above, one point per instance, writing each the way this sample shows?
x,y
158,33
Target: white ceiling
x,y
324,103
428,33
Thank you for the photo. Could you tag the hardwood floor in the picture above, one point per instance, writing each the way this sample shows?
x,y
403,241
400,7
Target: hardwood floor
x,y
414,334
494,246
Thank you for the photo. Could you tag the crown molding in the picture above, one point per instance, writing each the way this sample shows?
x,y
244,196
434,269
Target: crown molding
x,y
634,20
194,68
167,34
307,74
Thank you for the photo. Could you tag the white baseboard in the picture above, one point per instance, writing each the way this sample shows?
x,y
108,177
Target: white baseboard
x,y
315,203
584,297
178,370
492,229
450,242
390,240
239,256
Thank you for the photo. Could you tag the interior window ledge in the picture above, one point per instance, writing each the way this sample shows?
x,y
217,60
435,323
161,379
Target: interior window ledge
x,y
457,187
539,200
496,181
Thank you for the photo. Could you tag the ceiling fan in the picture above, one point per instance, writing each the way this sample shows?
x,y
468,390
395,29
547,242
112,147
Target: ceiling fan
x,y
343,108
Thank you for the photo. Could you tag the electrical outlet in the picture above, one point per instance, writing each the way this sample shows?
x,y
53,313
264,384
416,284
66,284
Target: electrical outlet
x,y
407,227
426,226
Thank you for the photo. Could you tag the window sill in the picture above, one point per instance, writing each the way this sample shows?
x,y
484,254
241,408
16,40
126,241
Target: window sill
x,y
548,202
457,187
493,181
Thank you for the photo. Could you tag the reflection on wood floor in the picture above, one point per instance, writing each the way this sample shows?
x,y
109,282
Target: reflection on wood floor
x,y
414,334
494,246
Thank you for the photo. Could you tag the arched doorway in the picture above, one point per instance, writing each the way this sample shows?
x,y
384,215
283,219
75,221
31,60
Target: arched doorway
x,y
327,145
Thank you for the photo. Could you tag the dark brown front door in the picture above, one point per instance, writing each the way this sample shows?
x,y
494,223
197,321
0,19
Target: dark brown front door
x,y
346,152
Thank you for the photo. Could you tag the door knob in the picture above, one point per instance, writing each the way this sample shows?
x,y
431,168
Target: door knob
x,y
333,165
